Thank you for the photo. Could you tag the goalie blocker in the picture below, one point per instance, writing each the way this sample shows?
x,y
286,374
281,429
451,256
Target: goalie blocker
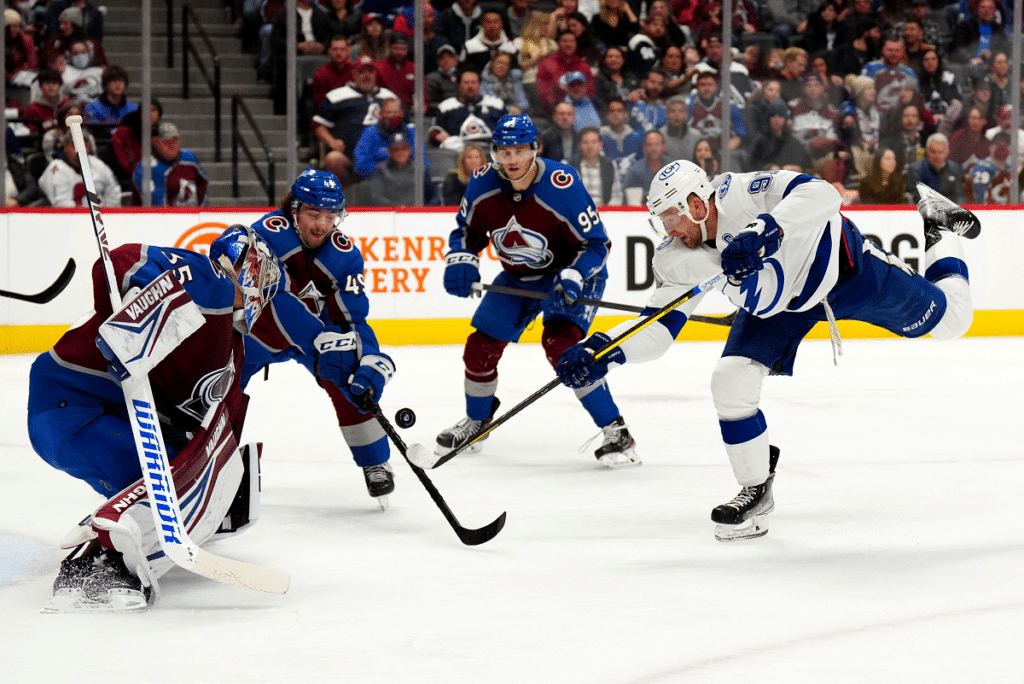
x,y
218,485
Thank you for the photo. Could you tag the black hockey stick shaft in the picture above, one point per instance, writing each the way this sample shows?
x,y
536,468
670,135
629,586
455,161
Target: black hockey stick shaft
x,y
49,293
466,536
625,335
532,294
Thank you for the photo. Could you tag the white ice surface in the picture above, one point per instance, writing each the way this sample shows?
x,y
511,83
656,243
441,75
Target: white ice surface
x,y
895,552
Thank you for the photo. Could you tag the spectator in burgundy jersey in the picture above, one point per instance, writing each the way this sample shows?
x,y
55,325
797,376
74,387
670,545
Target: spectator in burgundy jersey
x,y
558,64
395,72
969,144
336,73
178,180
45,102
21,62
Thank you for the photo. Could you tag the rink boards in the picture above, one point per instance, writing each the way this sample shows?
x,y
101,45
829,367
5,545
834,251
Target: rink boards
x,y
403,252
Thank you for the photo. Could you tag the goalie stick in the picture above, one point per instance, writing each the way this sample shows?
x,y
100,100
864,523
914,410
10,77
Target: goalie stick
x,y
533,294
466,536
149,441
49,293
625,335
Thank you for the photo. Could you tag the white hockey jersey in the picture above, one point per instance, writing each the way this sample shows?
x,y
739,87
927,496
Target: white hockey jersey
x,y
65,187
796,278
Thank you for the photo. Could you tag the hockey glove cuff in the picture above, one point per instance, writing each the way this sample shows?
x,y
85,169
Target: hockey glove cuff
x,y
748,250
577,368
338,355
367,385
569,283
461,270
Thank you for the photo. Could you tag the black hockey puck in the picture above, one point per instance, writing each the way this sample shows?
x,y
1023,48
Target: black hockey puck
x,y
405,418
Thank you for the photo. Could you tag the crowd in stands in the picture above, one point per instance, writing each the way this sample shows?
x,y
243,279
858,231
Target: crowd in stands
x,y
872,95
56,68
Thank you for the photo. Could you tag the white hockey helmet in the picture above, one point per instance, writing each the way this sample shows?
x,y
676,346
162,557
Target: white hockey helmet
x,y
671,186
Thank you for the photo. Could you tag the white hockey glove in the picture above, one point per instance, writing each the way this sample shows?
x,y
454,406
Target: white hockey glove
x,y
570,284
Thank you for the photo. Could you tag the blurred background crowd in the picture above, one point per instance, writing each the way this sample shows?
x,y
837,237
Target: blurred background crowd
x,y
872,95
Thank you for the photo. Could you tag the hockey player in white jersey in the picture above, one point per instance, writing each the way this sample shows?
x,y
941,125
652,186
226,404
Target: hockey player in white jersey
x,y
791,260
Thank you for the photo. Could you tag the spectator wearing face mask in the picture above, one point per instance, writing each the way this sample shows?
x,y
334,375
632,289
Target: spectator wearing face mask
x,y
69,32
372,147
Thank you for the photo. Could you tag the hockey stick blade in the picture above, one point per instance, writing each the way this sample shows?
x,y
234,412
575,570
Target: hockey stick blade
x,y
49,293
533,294
467,536
643,323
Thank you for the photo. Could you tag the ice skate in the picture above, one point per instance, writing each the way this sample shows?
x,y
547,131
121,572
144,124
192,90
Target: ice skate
x,y
380,481
619,447
746,516
940,214
95,580
463,431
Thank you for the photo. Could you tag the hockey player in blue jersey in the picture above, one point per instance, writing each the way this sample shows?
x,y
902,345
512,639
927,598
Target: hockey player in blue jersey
x,y
78,420
319,318
546,231
792,260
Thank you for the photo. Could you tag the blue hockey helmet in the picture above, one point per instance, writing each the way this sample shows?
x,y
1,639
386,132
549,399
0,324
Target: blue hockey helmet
x,y
514,129
248,260
320,189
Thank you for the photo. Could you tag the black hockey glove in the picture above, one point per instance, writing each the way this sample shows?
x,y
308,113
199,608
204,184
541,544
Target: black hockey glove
x,y
577,368
748,250
367,385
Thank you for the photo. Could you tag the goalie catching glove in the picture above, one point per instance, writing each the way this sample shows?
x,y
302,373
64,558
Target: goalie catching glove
x,y
577,368
461,271
748,250
375,371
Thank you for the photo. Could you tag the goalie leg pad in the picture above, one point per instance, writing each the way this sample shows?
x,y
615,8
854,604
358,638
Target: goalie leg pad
x,y
206,475
245,507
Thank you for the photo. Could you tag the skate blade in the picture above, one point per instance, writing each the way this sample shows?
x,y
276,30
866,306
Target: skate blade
x,y
472,449
120,602
382,501
623,459
751,529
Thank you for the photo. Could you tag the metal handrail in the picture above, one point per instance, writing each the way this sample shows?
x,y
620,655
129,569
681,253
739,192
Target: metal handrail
x,y
187,48
237,103
170,33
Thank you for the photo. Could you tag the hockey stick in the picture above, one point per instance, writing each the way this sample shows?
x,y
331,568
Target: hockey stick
x,y
467,536
532,294
149,441
49,293
643,323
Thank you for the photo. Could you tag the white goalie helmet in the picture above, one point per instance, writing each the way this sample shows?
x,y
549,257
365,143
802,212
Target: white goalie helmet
x,y
670,188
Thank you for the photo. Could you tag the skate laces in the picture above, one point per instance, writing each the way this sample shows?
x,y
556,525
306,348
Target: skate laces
x,y
377,473
466,428
833,332
746,495
613,432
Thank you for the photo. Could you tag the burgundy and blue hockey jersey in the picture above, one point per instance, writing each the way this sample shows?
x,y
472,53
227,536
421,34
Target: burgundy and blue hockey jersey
x,y
203,368
322,286
551,225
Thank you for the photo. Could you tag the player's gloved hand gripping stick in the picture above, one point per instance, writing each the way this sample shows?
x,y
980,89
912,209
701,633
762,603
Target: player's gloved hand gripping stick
x,y
613,344
149,441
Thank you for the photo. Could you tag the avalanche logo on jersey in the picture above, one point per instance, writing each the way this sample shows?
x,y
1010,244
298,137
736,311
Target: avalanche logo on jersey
x,y
518,246
561,180
211,388
313,298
